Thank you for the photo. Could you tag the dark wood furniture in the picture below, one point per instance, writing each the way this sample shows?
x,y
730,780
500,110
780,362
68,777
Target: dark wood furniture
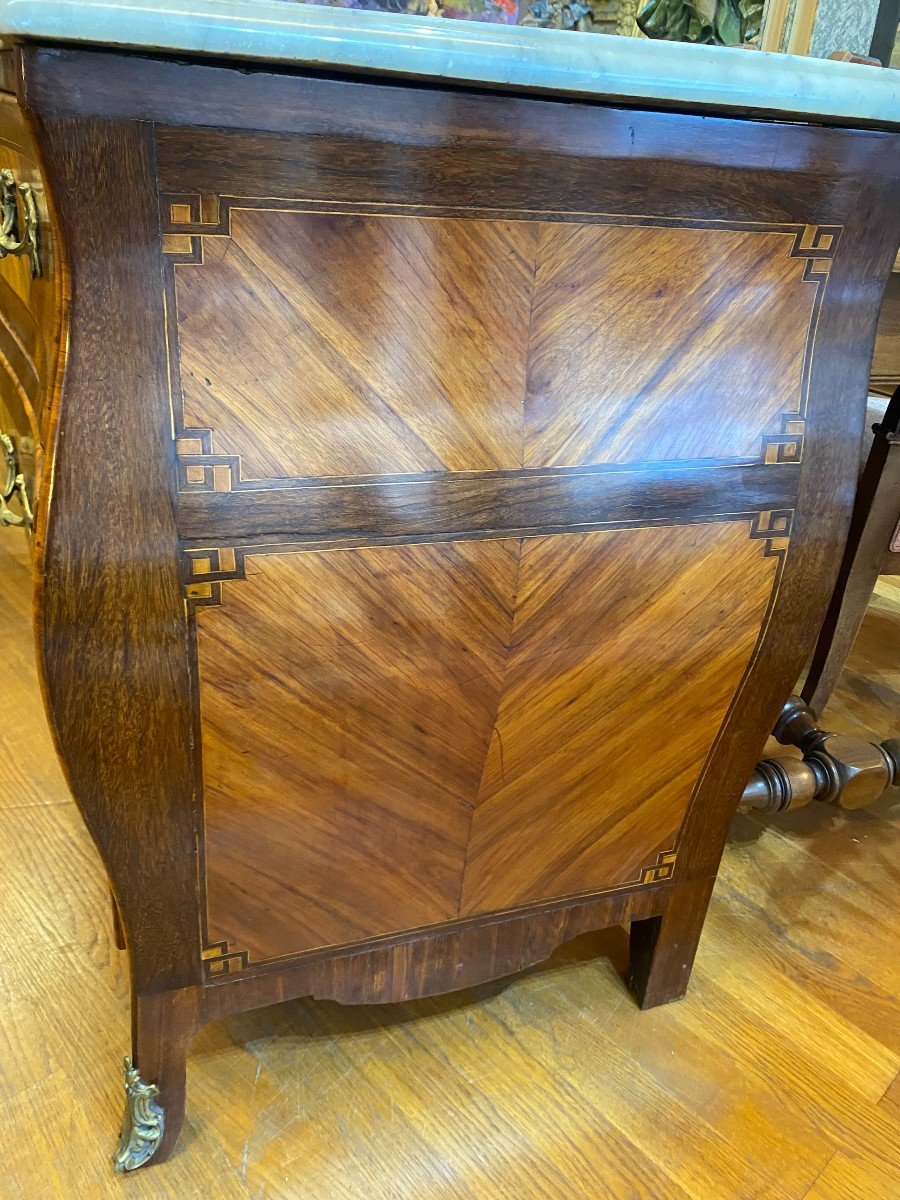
x,y
885,376
873,543
835,768
438,495
872,549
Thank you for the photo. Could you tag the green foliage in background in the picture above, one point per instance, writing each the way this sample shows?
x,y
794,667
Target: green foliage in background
x,y
709,22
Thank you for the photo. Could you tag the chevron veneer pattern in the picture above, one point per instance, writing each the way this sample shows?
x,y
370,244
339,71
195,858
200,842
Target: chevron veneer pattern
x,y
471,724
355,346
316,344
460,727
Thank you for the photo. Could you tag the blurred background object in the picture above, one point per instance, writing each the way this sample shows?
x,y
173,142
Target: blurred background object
x,y
814,27
707,22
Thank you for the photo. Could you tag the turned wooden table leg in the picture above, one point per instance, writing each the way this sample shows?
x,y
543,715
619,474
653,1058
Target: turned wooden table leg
x,y
868,548
163,1027
835,768
662,949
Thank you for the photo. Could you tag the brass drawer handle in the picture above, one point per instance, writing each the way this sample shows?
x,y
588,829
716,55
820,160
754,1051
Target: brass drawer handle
x,y
12,241
12,483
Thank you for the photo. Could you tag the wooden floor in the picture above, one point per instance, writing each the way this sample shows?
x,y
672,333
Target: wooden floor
x,y
776,1079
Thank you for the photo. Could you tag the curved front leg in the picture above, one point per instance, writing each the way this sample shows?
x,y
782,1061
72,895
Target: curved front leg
x,y
111,620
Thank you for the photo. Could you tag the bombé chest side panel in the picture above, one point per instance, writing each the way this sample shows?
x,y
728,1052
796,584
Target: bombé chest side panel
x,y
498,546
471,494
445,493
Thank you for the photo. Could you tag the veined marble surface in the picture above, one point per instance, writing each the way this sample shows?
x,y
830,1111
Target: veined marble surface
x,y
545,60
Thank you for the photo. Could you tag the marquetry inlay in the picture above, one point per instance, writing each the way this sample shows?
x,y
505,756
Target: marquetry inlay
x,y
422,478
774,528
662,869
207,569
201,470
201,212
816,245
218,959
359,372
428,712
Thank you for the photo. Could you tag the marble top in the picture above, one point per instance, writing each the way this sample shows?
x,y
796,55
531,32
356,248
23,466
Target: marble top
x,y
545,60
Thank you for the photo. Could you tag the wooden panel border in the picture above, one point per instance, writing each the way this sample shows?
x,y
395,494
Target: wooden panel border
x,y
460,168
485,504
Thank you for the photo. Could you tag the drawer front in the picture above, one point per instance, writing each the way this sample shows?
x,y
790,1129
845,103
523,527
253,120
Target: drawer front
x,y
485,514
30,317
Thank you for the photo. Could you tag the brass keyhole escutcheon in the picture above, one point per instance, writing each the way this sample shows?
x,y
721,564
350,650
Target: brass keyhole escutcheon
x,y
12,484
19,234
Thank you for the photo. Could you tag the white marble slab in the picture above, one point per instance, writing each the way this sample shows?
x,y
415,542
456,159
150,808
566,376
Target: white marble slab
x,y
554,61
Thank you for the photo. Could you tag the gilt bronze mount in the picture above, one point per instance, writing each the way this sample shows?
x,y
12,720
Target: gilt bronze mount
x,y
142,1124
13,485
12,240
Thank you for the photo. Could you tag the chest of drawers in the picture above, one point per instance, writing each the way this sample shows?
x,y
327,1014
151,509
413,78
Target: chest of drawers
x,y
439,495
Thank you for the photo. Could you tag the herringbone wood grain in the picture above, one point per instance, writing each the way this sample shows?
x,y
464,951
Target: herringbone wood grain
x,y
317,344
571,799
459,727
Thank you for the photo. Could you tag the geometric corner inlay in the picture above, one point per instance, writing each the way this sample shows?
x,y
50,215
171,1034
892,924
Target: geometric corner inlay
x,y
786,447
774,527
184,219
199,470
205,572
817,244
663,868
219,960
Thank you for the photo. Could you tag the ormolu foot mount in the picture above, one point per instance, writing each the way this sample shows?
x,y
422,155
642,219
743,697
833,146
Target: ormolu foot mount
x,y
835,768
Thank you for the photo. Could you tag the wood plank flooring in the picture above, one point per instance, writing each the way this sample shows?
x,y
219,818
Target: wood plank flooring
x,y
776,1079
